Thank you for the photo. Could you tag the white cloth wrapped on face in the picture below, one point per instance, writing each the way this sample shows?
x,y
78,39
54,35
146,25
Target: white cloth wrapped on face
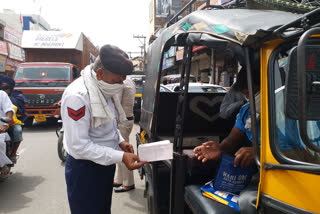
x,y
99,91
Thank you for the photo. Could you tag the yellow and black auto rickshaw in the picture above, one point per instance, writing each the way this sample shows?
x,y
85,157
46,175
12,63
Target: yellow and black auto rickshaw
x,y
287,47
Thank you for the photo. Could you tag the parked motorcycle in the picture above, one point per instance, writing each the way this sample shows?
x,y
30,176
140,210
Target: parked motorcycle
x,y
61,151
5,171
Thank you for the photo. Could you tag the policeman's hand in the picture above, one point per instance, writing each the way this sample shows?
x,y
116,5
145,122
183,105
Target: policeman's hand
x,y
126,147
244,156
208,151
132,161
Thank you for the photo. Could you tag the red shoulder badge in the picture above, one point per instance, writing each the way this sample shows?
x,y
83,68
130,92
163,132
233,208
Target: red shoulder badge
x,y
77,114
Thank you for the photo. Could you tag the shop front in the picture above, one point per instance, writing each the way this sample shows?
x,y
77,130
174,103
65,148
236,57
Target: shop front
x,y
3,57
11,54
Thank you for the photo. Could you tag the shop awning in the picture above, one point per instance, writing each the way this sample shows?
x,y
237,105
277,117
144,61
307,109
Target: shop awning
x,y
52,40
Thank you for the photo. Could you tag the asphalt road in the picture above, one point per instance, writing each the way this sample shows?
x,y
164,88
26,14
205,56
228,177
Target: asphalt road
x,y
37,184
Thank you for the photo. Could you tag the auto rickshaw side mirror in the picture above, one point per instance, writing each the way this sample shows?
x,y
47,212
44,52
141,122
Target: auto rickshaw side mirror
x,y
312,86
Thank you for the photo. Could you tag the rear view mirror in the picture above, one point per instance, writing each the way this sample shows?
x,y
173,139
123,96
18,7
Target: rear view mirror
x,y
312,72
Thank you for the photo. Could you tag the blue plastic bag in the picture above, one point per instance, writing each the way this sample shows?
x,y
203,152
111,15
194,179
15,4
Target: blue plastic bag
x,y
232,179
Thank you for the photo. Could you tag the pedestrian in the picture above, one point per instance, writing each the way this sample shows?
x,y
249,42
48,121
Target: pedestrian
x,y
124,180
90,112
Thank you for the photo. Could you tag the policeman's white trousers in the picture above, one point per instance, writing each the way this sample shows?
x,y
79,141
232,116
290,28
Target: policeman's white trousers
x,y
123,175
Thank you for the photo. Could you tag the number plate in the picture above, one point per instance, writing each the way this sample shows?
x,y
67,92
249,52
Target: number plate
x,y
40,118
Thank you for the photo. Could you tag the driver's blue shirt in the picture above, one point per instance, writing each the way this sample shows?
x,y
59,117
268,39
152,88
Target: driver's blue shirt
x,y
287,130
242,117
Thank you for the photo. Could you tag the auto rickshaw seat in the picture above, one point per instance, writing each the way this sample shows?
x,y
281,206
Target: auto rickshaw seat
x,y
202,205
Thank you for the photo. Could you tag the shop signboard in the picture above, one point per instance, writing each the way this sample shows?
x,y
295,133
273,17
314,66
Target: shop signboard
x,y
3,48
52,40
2,63
23,54
168,8
15,52
197,48
12,35
12,65
179,53
168,62
216,2
171,52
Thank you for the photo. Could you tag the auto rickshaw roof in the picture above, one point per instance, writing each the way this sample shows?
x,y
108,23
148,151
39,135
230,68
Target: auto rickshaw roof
x,y
243,26
215,29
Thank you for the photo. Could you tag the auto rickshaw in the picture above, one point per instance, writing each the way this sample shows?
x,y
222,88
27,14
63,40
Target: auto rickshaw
x,y
139,81
286,47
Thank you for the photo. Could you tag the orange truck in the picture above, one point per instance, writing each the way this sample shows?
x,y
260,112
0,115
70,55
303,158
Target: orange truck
x,y
53,60
43,85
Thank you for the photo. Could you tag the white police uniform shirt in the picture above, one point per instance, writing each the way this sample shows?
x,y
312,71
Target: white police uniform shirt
x,y
81,140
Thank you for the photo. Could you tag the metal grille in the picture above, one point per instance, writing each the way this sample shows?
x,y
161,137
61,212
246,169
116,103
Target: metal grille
x,y
42,99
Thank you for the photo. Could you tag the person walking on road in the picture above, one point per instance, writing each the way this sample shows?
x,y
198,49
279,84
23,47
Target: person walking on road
x,y
90,112
124,180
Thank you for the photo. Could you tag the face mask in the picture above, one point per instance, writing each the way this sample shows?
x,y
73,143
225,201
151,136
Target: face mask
x,y
109,90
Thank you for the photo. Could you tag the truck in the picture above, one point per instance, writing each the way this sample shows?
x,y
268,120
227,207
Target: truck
x,y
54,59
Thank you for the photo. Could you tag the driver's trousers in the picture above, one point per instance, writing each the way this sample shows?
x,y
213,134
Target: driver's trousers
x,y
89,186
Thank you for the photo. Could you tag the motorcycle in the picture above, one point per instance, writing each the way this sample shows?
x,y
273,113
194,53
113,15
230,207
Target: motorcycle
x,y
5,171
61,151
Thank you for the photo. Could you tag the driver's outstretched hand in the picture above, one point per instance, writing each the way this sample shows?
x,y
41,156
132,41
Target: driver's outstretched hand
x,y
207,151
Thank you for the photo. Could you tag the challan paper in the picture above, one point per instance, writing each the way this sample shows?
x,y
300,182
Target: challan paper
x,y
156,151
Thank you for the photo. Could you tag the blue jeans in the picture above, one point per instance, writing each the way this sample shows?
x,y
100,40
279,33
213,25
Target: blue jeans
x,y
89,186
15,133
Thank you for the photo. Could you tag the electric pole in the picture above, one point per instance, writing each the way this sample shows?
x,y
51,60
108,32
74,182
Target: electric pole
x,y
142,47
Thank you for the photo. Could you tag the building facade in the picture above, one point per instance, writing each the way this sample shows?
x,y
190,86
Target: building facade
x,y
12,26
206,66
11,53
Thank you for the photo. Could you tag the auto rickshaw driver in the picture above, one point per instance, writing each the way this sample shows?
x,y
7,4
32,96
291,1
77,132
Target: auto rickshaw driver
x,y
289,143
236,143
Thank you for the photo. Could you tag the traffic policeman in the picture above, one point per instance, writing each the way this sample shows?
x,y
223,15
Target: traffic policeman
x,y
90,112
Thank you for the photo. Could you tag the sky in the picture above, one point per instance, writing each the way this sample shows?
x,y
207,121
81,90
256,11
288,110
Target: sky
x,y
103,21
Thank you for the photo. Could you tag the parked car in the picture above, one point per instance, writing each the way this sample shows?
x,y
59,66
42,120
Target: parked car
x,y
175,78
164,88
198,88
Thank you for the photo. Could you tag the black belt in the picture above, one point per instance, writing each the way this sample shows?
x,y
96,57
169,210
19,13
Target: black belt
x,y
130,118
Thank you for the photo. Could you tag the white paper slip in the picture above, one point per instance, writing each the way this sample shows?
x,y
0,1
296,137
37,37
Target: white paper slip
x,y
156,151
